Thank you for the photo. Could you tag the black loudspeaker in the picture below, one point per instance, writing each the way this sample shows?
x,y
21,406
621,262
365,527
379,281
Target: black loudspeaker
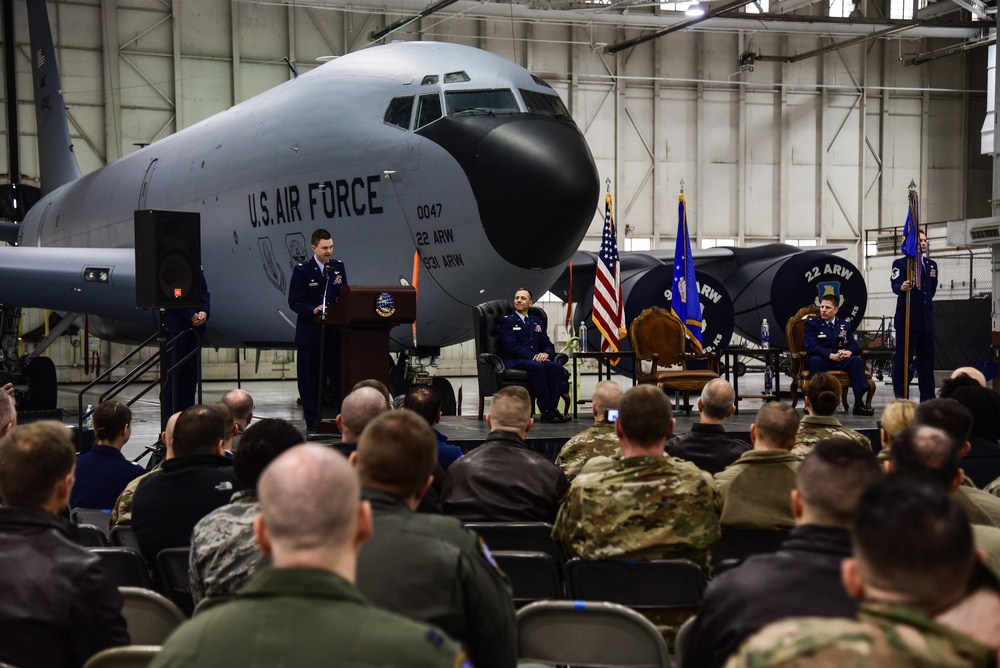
x,y
167,259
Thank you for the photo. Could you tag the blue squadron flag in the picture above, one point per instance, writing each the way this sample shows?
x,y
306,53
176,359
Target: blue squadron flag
x,y
684,299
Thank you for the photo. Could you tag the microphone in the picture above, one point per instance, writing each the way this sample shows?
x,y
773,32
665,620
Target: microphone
x,y
326,269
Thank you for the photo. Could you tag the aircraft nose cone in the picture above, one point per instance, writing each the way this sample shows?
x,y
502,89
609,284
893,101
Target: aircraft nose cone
x,y
534,180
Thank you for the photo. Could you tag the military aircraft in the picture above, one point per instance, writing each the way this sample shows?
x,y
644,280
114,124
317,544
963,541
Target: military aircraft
x,y
446,151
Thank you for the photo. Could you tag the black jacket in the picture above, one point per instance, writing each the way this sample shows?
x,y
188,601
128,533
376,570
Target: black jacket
x,y
168,504
708,447
57,608
802,579
503,481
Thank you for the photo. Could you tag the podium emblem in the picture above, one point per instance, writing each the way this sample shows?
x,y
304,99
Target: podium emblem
x,y
385,305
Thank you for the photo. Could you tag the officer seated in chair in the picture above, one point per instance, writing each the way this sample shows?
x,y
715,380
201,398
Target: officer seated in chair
x,y
831,347
525,345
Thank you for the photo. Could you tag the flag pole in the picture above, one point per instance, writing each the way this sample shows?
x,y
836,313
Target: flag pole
x,y
911,193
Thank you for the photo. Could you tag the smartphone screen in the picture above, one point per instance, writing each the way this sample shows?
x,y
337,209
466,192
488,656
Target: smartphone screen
x,y
611,415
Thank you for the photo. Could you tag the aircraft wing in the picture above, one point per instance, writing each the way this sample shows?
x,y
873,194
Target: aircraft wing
x,y
96,281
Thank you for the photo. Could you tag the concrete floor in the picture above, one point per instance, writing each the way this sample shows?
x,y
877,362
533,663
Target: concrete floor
x,y
277,399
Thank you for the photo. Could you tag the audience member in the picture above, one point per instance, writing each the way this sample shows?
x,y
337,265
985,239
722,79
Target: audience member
x,y
58,606
196,481
122,511
224,553
8,414
955,420
803,577
103,472
981,462
928,452
305,610
707,445
970,372
378,385
598,441
450,580
502,480
823,396
241,405
648,505
357,409
231,428
913,558
755,489
425,401
897,416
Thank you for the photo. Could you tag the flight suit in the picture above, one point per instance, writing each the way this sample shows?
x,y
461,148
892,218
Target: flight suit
x,y
305,617
305,293
921,327
449,579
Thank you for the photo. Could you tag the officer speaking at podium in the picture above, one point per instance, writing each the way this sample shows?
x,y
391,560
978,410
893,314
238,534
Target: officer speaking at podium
x,y
314,283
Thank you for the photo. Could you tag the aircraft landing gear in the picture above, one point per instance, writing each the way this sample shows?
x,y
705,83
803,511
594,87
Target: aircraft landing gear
x,y
412,367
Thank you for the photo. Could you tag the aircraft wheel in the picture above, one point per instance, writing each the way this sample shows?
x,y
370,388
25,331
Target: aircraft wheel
x,y
448,405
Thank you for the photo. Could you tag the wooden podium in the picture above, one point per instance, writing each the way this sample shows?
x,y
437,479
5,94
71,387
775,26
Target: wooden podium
x,y
365,314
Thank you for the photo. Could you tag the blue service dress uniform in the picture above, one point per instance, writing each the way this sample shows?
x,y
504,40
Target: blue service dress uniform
x,y
187,374
921,327
823,338
305,293
520,340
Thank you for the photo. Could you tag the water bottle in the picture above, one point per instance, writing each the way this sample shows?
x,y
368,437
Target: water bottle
x,y
88,420
583,336
768,382
765,334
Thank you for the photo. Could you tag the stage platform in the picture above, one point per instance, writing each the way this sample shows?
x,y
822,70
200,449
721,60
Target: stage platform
x,y
277,399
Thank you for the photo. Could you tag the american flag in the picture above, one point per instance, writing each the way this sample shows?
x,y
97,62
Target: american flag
x,y
607,288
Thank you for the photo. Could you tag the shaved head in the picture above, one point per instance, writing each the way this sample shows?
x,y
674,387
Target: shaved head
x,y
309,500
358,409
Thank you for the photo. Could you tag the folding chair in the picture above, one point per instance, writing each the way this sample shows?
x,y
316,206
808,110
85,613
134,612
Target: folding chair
x,y
123,535
534,576
172,567
150,617
125,566
87,535
99,518
658,583
518,537
581,633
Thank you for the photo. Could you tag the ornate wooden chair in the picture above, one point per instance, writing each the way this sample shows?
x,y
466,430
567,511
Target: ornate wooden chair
x,y
659,338
795,331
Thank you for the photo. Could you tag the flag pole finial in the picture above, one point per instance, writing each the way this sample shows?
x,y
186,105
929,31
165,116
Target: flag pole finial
x,y
682,186
913,185
607,182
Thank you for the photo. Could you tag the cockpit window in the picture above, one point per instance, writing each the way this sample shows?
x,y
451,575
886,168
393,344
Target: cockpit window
x,y
398,111
544,104
481,102
429,79
540,81
428,110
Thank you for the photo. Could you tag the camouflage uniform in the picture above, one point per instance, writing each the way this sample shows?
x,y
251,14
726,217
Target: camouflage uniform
x,y
647,507
815,428
598,441
122,512
886,636
224,552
